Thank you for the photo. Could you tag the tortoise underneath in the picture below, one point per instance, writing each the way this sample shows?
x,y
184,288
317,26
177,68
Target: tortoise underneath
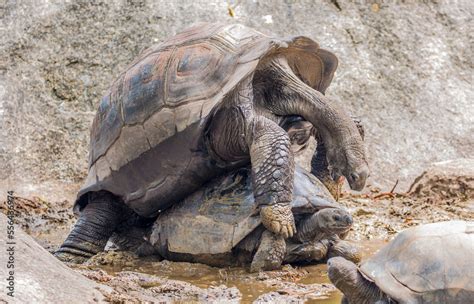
x,y
219,225
432,263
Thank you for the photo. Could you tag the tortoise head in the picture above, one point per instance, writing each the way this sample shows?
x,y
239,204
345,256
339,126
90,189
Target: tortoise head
x,y
334,220
350,163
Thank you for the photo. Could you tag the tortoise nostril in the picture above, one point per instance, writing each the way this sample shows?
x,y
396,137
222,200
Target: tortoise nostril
x,y
348,219
354,176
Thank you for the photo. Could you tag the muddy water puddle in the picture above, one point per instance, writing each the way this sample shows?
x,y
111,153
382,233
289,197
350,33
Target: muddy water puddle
x,y
310,282
250,285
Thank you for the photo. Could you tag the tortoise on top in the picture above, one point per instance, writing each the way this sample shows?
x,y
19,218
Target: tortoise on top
x,y
197,105
431,263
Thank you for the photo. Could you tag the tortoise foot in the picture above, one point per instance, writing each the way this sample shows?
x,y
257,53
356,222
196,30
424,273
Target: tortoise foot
x,y
68,257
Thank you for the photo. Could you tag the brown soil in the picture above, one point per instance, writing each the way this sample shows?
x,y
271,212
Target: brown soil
x,y
382,215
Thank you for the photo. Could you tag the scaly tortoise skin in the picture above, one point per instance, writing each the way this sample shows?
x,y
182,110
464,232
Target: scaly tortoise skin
x,y
430,263
219,225
202,103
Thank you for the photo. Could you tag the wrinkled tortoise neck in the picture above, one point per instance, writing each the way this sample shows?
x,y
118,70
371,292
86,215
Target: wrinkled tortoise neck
x,y
347,278
283,93
308,228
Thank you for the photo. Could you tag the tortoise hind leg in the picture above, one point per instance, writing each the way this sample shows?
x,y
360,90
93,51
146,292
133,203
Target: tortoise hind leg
x,y
270,252
96,223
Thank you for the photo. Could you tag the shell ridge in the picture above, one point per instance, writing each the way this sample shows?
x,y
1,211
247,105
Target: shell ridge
x,y
165,77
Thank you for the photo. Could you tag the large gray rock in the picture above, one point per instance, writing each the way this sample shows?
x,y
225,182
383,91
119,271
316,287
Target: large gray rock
x,y
406,69
38,276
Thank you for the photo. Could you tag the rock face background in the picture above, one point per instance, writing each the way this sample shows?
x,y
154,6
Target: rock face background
x,y
405,69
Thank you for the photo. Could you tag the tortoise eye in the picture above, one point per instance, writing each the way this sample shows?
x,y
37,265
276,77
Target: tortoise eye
x,y
337,218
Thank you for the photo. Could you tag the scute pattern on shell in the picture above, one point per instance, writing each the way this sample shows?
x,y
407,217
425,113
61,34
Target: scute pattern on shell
x,y
180,76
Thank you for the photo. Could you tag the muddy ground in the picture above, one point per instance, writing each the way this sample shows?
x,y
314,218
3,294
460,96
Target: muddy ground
x,y
378,216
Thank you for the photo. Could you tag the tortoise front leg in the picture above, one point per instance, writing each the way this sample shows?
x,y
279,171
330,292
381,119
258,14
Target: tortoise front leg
x,y
306,252
272,175
320,169
317,251
270,252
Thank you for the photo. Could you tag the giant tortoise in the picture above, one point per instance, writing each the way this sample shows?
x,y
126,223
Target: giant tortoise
x,y
432,263
219,225
202,103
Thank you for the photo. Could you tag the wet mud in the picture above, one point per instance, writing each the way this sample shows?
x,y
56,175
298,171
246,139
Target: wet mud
x,y
200,282
377,218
